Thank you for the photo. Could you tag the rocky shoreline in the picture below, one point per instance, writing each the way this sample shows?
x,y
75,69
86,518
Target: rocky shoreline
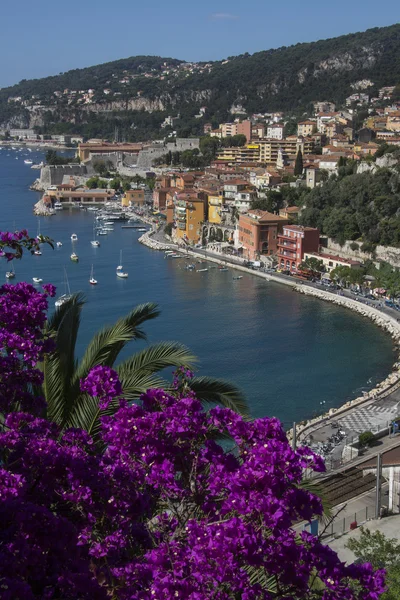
x,y
383,320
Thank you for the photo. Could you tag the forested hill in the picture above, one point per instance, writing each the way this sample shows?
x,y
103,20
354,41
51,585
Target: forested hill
x,y
287,78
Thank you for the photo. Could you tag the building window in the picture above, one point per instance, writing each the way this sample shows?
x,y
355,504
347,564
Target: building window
x,y
330,263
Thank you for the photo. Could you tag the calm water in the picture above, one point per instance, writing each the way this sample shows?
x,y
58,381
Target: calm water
x,y
288,352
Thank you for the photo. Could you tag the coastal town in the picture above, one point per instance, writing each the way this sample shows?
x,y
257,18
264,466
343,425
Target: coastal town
x,y
245,202
200,309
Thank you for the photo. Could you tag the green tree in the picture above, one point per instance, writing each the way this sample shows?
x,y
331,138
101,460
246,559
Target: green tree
x,y
100,167
298,166
381,552
115,184
313,264
69,407
126,186
366,438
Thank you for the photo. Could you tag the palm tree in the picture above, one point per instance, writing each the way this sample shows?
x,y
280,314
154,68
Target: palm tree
x,y
69,407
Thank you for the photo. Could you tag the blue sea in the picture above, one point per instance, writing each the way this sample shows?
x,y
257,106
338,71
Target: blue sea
x,y
293,356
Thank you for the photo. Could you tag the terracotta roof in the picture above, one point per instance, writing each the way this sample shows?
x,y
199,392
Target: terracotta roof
x,y
300,228
236,182
292,209
347,261
264,215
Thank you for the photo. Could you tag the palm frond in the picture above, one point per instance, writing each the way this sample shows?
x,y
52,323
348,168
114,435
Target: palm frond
x,y
55,319
210,390
159,356
59,367
108,343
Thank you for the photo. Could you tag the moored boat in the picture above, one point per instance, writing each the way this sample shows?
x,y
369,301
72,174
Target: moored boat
x,y
74,257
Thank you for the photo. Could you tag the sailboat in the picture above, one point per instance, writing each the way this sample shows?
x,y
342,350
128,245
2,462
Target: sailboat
x,y
120,272
11,273
92,280
65,297
38,252
94,242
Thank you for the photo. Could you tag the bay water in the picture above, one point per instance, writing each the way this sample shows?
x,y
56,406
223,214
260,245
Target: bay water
x,y
292,355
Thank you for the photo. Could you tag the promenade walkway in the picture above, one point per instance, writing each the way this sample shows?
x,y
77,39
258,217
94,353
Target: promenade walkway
x,y
375,412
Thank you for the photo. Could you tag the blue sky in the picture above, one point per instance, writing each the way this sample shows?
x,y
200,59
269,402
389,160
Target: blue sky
x,y
45,37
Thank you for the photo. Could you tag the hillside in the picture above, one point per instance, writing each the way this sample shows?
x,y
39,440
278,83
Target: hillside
x,y
137,93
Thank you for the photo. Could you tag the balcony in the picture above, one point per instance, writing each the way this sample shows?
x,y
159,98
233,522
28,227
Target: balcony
x,y
287,245
290,255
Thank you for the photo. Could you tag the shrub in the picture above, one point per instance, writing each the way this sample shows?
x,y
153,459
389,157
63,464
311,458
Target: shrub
x,y
366,438
354,246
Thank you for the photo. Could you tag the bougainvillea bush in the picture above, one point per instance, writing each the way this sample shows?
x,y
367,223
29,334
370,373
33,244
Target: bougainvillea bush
x,y
157,509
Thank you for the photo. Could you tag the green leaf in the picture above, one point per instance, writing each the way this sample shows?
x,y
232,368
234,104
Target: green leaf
x,y
210,390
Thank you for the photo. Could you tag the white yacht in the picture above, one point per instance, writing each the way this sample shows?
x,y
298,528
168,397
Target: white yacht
x,y
38,253
92,280
74,257
67,295
28,161
58,206
74,237
37,280
58,244
95,243
120,270
11,273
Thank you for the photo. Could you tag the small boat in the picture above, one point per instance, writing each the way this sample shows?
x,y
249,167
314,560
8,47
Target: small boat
x,y
238,277
190,267
92,280
94,242
108,228
27,161
108,223
102,232
142,229
120,272
59,244
74,257
37,280
65,297
93,208
11,273
222,268
38,253
201,270
74,237
58,206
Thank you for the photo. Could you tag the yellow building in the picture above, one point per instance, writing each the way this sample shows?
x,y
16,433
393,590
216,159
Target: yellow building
x,y
133,198
306,128
248,153
215,208
189,217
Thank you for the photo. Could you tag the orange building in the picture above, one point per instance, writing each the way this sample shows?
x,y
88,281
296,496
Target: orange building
x,y
189,215
258,233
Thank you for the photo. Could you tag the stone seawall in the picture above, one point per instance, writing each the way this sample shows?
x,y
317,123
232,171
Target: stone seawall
x,y
383,320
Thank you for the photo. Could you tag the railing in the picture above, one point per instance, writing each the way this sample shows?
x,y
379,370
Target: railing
x,y
341,525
